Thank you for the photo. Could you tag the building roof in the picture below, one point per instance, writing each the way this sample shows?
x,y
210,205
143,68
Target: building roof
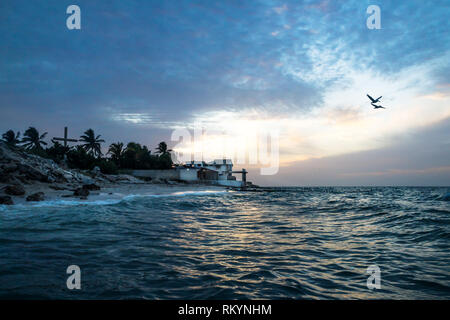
x,y
222,161
215,162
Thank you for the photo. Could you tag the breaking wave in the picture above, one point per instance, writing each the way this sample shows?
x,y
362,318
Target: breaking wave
x,y
114,199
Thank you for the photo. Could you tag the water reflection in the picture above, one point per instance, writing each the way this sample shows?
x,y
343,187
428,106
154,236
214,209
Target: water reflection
x,y
293,243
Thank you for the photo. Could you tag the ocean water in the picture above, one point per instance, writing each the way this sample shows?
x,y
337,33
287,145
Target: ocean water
x,y
283,243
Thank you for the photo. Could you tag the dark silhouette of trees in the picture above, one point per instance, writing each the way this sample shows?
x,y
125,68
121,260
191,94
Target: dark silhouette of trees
x,y
116,151
11,138
57,151
32,140
92,143
88,155
162,148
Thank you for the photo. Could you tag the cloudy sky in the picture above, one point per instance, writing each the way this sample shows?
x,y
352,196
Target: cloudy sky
x,y
138,70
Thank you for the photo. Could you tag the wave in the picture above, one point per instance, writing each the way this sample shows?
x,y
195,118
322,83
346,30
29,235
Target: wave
x,y
180,194
446,197
61,203
203,243
112,201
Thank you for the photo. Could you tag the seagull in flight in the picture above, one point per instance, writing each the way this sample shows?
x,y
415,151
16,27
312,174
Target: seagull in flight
x,y
374,100
377,107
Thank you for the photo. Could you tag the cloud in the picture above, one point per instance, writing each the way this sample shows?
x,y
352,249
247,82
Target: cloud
x,y
138,69
414,159
281,9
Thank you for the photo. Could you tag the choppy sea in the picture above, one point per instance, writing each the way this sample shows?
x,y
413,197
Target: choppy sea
x,y
282,243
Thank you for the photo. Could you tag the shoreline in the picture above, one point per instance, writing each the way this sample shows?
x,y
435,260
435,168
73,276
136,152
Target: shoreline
x,y
27,179
112,192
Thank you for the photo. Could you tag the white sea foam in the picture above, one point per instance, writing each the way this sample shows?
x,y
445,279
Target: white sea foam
x,y
103,199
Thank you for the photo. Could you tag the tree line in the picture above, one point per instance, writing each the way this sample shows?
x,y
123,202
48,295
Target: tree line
x,y
88,154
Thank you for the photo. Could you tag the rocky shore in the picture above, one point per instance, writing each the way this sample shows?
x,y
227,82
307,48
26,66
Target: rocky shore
x,y
25,177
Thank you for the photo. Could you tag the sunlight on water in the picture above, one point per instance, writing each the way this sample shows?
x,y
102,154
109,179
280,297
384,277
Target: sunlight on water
x,y
313,243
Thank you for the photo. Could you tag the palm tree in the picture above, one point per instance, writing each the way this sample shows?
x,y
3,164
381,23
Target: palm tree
x,y
92,145
32,140
11,138
162,148
116,151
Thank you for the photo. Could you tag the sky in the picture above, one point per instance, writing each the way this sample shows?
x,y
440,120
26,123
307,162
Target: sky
x,y
140,70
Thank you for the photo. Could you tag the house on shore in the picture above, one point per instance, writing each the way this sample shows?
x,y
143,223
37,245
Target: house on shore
x,y
217,172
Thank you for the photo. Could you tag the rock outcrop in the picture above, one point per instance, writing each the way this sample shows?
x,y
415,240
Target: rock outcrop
x,y
6,200
14,190
18,166
23,176
81,192
38,196
91,187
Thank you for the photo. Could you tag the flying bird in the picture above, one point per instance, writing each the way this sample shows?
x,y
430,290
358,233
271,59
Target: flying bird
x,y
374,100
377,107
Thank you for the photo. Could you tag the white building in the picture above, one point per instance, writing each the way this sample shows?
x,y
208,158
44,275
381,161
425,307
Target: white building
x,y
219,171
